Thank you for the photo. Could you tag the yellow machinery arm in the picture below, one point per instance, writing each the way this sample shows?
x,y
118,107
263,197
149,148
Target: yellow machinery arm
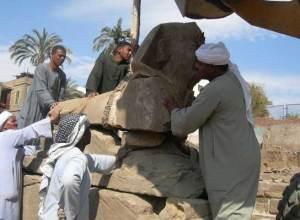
x,y
279,16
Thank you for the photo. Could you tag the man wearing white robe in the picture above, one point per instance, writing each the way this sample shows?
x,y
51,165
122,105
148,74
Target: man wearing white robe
x,y
11,156
229,152
66,181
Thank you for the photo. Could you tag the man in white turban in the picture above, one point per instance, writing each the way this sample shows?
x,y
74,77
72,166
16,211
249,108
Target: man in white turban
x,y
229,152
12,149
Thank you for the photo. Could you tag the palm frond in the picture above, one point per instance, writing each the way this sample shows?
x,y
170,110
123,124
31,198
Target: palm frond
x,y
34,47
108,37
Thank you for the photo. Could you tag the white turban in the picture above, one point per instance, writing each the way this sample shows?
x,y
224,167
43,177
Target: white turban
x,y
217,54
3,117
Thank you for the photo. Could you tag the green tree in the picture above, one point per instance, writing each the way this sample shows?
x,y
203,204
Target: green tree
x,y
36,47
259,101
110,36
71,91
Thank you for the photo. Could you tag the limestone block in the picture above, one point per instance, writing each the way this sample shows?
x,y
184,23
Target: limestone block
x,y
181,209
137,139
29,180
94,107
31,197
279,159
261,206
163,172
263,217
274,190
273,206
103,142
32,164
107,204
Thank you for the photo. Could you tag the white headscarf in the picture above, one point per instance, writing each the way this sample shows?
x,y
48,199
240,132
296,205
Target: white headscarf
x,y
217,54
70,131
3,117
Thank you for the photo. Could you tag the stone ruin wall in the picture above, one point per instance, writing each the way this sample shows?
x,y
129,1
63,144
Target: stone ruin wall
x,y
279,163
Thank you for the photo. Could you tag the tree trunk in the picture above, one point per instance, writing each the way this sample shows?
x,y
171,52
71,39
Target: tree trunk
x,y
135,26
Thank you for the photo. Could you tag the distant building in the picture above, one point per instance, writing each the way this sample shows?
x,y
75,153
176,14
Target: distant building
x,y
13,93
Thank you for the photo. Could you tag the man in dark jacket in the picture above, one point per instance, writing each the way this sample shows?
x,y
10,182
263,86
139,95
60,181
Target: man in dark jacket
x,y
109,70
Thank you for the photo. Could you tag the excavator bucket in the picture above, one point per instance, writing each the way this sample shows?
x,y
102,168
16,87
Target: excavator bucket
x,y
198,9
279,16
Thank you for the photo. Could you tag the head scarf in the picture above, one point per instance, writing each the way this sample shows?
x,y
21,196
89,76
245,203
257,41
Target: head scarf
x,y
70,130
217,54
3,117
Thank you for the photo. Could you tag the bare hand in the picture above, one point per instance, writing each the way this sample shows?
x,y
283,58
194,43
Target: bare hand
x,y
54,114
92,94
53,105
61,214
189,98
170,104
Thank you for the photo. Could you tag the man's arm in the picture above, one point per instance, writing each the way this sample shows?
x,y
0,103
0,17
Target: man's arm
x,y
95,77
45,99
41,128
101,163
189,119
38,129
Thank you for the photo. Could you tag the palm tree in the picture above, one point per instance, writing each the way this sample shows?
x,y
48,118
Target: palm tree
x,y
110,36
72,91
36,47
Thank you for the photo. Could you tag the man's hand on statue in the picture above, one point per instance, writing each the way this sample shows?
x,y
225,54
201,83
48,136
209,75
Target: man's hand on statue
x,y
92,94
53,105
61,214
54,114
170,104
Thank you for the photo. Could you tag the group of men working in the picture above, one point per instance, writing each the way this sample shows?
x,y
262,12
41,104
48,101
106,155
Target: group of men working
x,y
229,154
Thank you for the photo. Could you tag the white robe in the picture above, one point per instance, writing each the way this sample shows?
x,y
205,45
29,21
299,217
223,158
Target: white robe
x,y
70,184
12,153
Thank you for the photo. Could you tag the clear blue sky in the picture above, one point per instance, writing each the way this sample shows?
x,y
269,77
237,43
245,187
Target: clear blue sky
x,y
263,56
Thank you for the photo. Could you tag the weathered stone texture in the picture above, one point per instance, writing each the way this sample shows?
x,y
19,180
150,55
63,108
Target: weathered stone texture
x,y
103,142
182,209
282,136
107,204
92,107
273,206
161,172
261,205
31,197
140,139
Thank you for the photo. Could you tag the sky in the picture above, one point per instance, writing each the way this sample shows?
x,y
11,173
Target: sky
x,y
264,57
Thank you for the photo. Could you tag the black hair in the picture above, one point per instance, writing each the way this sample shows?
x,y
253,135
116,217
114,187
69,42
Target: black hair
x,y
58,47
121,44
223,68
